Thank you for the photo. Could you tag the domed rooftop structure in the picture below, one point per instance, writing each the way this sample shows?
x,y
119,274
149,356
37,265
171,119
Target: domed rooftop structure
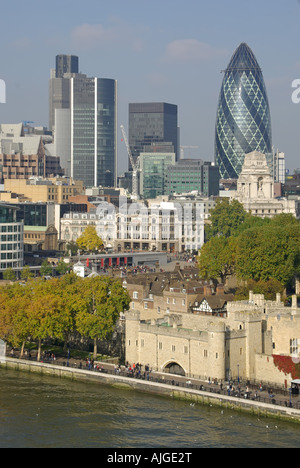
x,y
243,122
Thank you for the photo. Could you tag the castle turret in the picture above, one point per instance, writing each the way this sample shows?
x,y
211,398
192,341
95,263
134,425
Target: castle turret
x,y
216,346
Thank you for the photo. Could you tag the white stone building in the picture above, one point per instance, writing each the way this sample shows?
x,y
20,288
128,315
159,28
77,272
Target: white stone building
x,y
255,189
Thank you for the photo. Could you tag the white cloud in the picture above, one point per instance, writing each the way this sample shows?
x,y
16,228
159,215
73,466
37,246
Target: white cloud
x,y
90,36
191,50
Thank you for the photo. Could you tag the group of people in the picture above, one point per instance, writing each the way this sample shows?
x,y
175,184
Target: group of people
x,y
135,370
48,356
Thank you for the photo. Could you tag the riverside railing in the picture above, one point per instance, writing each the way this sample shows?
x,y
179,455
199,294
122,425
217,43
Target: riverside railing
x,y
282,397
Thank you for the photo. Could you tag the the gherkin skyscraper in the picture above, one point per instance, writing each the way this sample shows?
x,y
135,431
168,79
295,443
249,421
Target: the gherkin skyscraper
x,y
243,121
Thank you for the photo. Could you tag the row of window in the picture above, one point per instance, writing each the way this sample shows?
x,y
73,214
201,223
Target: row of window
x,y
10,238
13,264
12,256
184,349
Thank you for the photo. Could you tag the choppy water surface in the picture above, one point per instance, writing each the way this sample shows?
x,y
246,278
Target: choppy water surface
x,y
42,412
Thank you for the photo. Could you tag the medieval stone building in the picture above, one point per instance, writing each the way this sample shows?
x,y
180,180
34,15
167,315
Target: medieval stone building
x,y
200,334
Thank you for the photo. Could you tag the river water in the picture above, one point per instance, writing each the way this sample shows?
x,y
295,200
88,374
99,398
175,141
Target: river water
x,y
49,412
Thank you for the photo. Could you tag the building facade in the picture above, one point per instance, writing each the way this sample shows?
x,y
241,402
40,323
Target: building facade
x,y
162,226
59,85
253,340
243,122
255,189
38,189
93,130
152,122
192,175
23,154
83,116
11,238
154,169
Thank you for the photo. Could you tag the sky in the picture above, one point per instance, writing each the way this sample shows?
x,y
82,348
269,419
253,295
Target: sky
x,y
170,51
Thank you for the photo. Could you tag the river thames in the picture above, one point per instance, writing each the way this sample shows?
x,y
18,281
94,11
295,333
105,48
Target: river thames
x,y
49,412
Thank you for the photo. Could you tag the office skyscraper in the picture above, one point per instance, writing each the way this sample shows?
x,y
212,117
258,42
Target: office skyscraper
x,y
152,122
94,131
59,85
243,123
66,64
83,116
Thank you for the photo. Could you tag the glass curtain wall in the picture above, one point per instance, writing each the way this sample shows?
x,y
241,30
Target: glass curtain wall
x,y
243,121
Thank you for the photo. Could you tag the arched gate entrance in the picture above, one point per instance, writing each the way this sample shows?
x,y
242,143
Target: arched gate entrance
x,y
174,368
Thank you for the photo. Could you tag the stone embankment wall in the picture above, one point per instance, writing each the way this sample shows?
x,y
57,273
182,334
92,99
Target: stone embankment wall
x,y
185,394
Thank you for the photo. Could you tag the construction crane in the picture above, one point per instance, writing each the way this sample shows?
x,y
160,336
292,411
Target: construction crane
x,y
135,167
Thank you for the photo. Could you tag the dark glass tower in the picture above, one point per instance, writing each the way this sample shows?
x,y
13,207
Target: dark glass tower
x,y
93,130
243,121
66,64
150,123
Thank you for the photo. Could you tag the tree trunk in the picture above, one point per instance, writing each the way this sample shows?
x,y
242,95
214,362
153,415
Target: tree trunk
x,y
95,348
22,349
39,350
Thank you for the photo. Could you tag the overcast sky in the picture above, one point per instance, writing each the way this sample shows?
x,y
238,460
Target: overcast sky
x,y
159,50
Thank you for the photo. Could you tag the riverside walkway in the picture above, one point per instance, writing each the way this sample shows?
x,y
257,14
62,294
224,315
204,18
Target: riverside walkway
x,y
282,406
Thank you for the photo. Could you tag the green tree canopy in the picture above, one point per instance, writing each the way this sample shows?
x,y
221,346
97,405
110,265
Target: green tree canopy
x,y
251,247
216,258
62,267
271,252
46,268
225,218
268,288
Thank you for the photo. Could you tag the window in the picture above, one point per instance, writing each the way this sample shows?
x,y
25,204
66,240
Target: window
x,y
135,295
173,348
294,346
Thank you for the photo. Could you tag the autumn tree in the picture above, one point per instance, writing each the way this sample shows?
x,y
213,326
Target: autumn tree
x,y
89,240
26,273
14,320
55,309
103,300
6,325
9,274
48,315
